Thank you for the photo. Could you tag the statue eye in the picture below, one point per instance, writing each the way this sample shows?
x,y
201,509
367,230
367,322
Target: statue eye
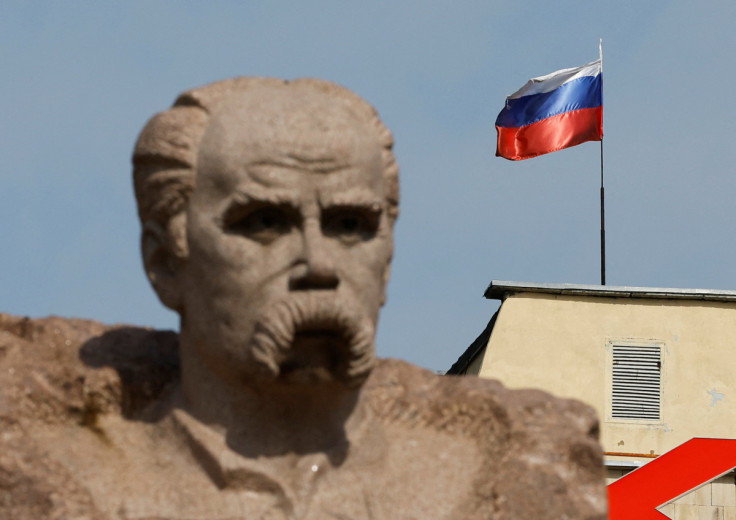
x,y
263,225
350,225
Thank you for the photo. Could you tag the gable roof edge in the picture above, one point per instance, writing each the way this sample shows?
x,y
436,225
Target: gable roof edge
x,y
500,290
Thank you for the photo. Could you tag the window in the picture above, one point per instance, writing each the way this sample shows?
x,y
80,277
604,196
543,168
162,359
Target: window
x,y
636,373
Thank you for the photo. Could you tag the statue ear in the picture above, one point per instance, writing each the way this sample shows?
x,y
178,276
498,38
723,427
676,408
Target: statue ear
x,y
162,260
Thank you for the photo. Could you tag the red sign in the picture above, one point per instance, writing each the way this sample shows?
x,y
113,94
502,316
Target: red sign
x,y
637,495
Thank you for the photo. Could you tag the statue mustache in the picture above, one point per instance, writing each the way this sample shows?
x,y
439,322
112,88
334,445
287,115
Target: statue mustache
x,y
281,322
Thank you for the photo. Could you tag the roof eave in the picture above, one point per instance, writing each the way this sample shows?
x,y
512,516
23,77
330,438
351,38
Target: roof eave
x,y
500,289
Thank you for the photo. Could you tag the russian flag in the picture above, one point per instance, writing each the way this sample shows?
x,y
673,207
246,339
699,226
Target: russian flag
x,y
552,112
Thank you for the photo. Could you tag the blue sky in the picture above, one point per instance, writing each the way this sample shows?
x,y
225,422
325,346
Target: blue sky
x,y
79,80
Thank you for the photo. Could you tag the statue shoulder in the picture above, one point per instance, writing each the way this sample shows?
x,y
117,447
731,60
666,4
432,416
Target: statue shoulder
x,y
473,404
64,369
527,439
402,392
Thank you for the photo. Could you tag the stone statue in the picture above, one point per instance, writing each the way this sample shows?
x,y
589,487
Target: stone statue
x,y
267,209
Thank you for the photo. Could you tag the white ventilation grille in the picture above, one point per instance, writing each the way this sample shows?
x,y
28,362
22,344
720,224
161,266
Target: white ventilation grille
x,y
637,382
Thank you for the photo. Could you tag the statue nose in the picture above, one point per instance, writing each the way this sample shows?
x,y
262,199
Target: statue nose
x,y
315,268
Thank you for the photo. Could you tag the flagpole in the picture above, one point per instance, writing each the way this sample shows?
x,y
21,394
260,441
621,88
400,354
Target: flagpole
x,y
603,212
603,225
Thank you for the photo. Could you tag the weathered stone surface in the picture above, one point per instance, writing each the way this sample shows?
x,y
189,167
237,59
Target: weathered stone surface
x,y
267,210
85,409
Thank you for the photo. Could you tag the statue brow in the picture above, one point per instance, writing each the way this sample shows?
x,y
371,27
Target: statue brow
x,y
353,197
271,196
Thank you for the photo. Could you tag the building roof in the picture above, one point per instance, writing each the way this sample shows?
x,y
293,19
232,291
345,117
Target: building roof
x,y
467,357
499,290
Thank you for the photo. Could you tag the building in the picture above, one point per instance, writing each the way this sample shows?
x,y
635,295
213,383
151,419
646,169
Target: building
x,y
658,365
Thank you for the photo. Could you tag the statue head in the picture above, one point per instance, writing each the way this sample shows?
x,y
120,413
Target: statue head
x,y
267,210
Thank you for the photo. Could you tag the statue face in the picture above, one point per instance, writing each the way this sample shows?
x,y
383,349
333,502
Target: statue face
x,y
289,242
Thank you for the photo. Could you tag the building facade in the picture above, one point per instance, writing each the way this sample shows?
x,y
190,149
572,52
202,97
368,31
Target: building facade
x,y
658,366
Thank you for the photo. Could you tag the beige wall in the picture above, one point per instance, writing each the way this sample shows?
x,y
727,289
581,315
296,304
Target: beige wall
x,y
715,500
562,344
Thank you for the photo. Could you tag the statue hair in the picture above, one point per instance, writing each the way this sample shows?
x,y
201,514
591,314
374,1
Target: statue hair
x,y
165,155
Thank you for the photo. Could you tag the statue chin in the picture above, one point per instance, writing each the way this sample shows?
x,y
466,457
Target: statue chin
x,y
306,375
320,356
314,356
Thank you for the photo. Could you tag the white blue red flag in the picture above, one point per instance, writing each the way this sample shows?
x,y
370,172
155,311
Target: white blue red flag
x,y
552,112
